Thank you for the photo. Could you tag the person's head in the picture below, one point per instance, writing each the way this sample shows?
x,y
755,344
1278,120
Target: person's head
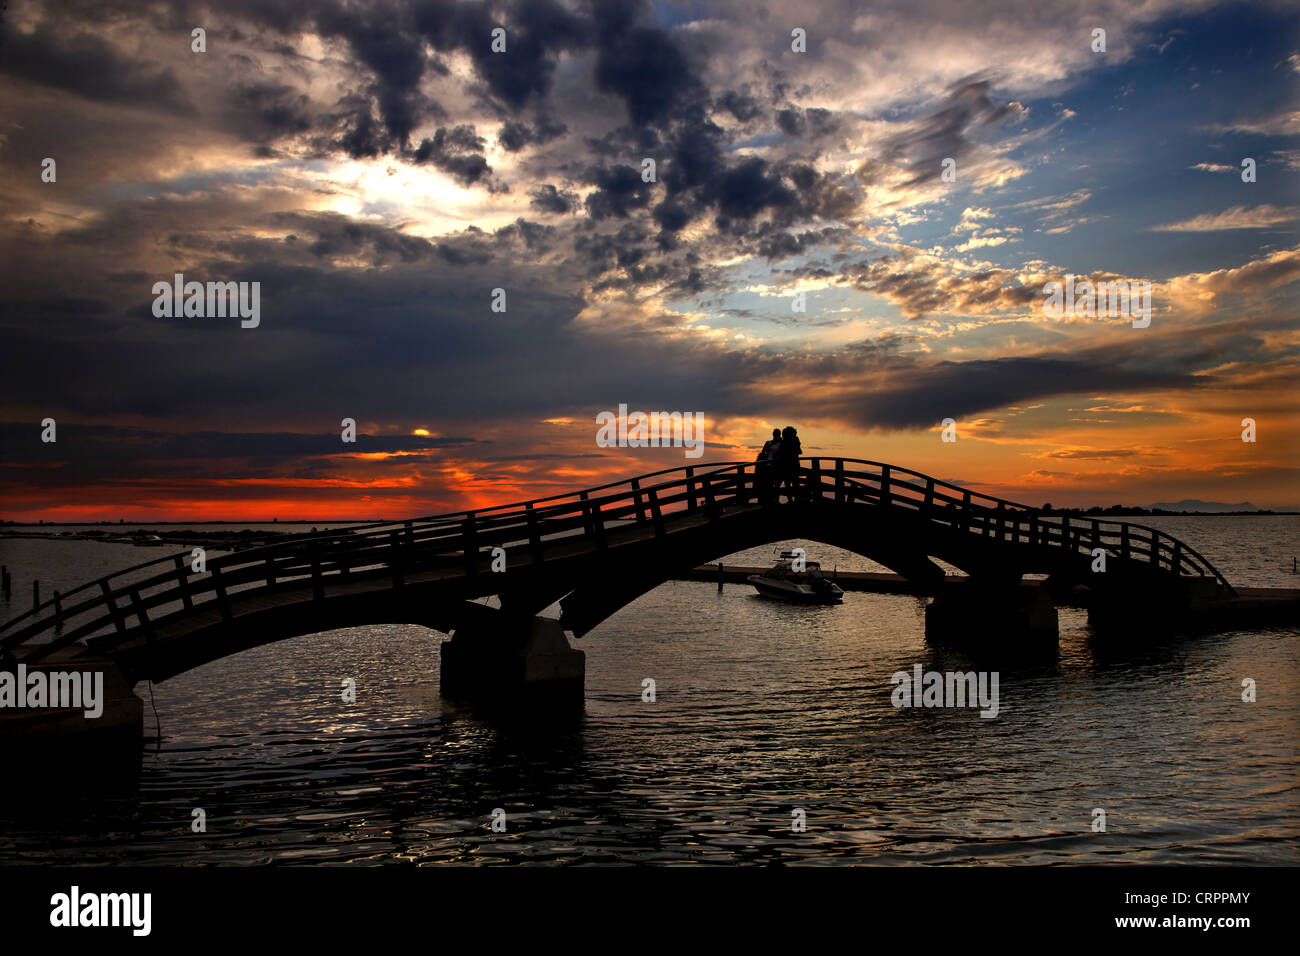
x,y
789,432
776,434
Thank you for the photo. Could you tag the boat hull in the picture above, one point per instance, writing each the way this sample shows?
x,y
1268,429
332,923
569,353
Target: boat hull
x,y
781,592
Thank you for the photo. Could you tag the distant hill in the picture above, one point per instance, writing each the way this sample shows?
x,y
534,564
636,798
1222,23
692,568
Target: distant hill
x,y
1195,504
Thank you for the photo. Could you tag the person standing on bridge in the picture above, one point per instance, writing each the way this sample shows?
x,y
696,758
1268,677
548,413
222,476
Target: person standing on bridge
x,y
788,452
765,473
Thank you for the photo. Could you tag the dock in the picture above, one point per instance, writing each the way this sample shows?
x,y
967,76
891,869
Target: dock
x,y
1252,607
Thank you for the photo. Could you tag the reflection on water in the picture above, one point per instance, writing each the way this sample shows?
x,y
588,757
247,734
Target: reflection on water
x,y
761,708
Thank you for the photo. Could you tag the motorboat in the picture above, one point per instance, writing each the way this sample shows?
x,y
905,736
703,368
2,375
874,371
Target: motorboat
x,y
784,583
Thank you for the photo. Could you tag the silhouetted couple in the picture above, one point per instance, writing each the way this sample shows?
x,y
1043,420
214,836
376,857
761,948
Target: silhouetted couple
x,y
778,465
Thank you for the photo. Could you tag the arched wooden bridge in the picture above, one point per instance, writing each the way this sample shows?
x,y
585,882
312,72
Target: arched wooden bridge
x,y
594,551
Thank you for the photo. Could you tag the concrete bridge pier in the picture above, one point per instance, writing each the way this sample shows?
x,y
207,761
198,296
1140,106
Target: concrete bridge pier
x,y
989,616
513,663
1155,610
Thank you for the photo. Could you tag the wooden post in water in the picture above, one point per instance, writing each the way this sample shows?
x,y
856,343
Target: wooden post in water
x,y
36,594
719,577
4,579
58,604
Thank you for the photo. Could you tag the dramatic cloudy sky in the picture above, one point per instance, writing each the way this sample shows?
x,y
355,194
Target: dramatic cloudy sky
x,y
380,170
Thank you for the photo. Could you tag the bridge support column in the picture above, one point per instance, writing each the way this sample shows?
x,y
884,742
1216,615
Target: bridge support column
x,y
992,617
1156,610
513,664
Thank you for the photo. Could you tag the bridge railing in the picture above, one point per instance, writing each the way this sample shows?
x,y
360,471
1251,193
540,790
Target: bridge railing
x,y
160,567
1013,522
357,554
388,553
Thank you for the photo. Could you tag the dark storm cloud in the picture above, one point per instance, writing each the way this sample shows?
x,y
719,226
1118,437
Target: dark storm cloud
x,y
86,65
380,37
536,237
103,455
648,71
781,245
394,45
536,30
359,134
790,121
742,107
337,235
606,251
811,123
619,190
274,109
458,151
700,180
748,188
35,309
700,177
549,199
389,40
515,135
641,65
108,442
696,158
957,389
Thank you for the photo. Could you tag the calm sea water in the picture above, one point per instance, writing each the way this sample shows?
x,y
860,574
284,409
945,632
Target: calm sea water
x,y
761,709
